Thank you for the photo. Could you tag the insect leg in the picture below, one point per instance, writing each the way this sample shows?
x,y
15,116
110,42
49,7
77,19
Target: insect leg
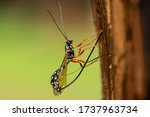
x,y
88,43
90,62
87,39
84,64
80,52
81,62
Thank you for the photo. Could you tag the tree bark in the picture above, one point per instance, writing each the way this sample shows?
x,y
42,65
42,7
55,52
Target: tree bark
x,y
100,15
123,68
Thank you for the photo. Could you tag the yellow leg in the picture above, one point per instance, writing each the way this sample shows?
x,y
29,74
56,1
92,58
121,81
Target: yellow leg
x,y
81,62
80,52
87,39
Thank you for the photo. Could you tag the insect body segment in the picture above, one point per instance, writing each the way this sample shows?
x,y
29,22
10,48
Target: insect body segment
x,y
69,50
69,55
58,79
58,75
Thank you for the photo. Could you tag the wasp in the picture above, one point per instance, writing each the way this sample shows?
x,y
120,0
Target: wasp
x,y
58,78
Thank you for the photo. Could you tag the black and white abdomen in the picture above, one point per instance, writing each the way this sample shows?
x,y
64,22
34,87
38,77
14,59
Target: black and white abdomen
x,y
54,81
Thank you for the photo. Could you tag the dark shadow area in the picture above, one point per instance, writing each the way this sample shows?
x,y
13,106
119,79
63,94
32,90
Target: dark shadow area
x,y
145,16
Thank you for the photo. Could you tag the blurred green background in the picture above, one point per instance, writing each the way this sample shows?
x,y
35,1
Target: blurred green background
x,y
32,48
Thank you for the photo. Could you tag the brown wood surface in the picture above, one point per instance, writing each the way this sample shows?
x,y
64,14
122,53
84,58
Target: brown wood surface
x,y
123,69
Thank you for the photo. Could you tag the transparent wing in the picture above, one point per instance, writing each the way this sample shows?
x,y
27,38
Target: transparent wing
x,y
88,64
63,77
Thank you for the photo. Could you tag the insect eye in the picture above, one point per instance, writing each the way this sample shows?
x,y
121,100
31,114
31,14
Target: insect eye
x,y
69,42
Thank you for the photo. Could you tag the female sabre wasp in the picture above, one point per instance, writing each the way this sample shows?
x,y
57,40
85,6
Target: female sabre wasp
x,y
58,79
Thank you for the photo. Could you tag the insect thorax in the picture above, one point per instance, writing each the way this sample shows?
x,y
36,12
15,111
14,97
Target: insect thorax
x,y
69,51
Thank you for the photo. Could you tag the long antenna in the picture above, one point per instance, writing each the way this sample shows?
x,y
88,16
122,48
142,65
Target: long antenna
x,y
61,17
56,24
84,64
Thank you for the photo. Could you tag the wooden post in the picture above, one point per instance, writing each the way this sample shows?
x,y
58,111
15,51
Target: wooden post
x,y
123,69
